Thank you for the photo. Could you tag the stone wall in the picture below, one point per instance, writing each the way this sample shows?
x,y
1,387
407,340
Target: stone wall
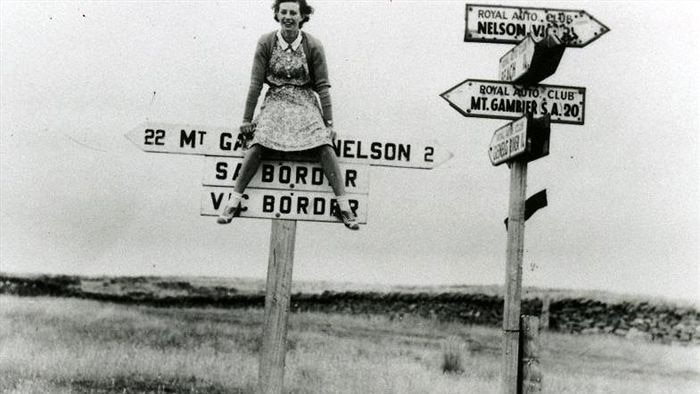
x,y
663,323
635,320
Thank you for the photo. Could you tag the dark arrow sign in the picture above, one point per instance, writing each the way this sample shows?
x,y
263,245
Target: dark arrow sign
x,y
533,204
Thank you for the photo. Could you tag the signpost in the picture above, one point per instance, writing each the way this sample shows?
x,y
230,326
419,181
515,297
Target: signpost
x,y
510,25
278,294
542,35
514,274
503,100
286,188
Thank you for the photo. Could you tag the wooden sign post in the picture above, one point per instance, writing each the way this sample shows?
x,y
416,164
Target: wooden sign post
x,y
514,273
277,296
542,35
285,189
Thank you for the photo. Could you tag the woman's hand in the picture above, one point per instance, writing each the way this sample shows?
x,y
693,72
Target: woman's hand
x,y
247,128
245,134
329,127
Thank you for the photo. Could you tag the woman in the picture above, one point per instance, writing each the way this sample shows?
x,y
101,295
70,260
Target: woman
x,y
293,64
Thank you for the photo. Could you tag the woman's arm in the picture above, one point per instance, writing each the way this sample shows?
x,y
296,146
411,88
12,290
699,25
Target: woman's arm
x,y
257,77
320,75
326,105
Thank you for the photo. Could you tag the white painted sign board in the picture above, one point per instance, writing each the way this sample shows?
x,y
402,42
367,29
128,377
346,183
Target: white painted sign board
x,y
223,171
509,141
516,62
283,204
186,139
503,100
510,25
222,141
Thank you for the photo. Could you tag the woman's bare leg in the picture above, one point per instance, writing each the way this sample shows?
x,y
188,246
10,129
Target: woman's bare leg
x,y
331,169
250,165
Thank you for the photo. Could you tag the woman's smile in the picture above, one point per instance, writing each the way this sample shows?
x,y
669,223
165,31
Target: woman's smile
x,y
289,16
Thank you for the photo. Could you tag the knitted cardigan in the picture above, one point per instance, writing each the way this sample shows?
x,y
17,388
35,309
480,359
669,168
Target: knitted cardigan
x,y
318,71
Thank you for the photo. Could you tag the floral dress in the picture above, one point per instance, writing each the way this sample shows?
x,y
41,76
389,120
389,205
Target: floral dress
x,y
290,117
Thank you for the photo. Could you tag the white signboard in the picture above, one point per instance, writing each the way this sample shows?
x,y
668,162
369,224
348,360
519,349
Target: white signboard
x,y
517,61
186,139
221,141
504,24
281,204
223,171
509,141
502,100
411,154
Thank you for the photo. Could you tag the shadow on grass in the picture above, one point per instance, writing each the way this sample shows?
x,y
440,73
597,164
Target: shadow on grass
x,y
148,384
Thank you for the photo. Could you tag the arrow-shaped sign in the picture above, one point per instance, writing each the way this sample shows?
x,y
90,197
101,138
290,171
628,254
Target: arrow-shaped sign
x,y
502,100
505,24
529,62
222,141
527,137
186,139
533,204
508,141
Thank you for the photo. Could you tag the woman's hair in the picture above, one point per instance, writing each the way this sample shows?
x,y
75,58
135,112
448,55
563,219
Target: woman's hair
x,y
304,7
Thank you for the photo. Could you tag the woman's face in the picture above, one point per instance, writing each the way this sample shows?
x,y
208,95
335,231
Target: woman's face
x,y
289,17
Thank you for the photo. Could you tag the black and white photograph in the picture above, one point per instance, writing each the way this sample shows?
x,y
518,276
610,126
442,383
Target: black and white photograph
x,y
349,196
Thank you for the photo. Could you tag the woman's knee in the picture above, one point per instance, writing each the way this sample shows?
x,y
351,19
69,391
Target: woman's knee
x,y
326,152
255,152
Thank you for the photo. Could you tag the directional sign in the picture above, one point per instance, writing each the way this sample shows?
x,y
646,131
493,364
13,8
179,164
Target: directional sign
x,y
516,61
223,171
186,139
280,204
411,154
222,141
502,100
533,204
508,141
527,138
504,24
530,62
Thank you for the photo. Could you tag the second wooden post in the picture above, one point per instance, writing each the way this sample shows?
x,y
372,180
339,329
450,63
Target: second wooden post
x,y
514,264
277,298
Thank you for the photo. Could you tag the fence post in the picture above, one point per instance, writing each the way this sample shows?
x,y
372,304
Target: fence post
x,y
531,374
544,315
277,297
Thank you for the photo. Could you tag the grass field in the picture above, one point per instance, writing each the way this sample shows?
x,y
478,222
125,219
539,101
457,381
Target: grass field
x,y
54,345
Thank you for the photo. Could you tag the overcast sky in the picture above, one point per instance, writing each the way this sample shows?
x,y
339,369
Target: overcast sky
x,y
78,198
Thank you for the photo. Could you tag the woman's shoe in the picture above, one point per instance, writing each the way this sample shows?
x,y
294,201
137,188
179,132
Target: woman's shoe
x,y
227,214
349,219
